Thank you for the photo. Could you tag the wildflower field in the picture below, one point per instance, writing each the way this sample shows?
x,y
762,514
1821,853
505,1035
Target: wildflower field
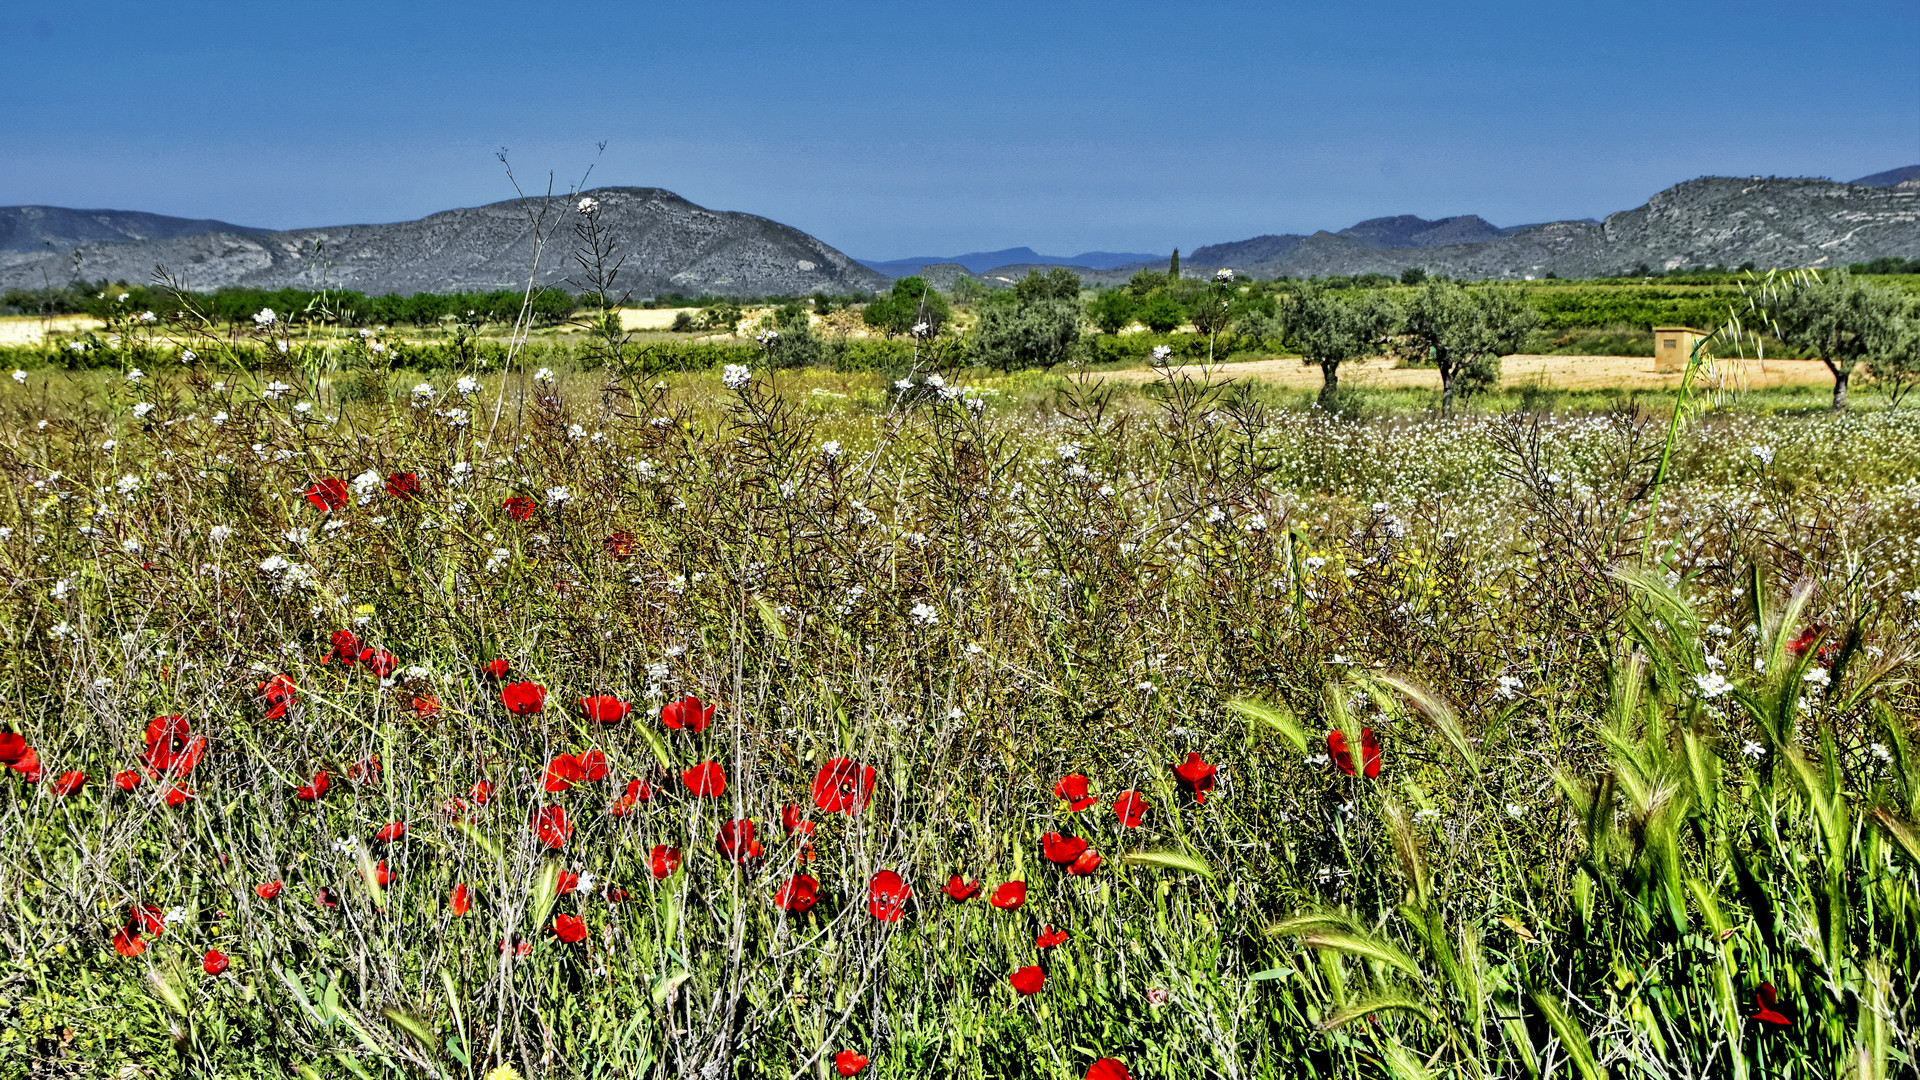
x,y
788,724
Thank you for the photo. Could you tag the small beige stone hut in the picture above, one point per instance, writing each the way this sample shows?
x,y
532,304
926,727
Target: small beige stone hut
x,y
1672,345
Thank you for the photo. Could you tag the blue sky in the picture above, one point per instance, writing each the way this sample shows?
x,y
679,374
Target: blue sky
x,y
892,130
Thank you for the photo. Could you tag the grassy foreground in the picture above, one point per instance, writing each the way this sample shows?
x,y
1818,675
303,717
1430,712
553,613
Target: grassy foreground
x,y
1409,748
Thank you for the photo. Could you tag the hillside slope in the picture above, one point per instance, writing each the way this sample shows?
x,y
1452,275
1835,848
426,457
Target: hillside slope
x,y
669,245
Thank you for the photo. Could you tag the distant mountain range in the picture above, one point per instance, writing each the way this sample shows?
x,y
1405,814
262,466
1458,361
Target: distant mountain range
x,y
979,262
669,245
673,246
1713,221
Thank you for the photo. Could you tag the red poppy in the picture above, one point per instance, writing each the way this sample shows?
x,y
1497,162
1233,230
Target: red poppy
x,y
848,1063
593,766
960,890
146,917
1010,895
310,792
326,898
1049,937
1342,754
1131,808
519,507
1073,789
459,902
170,748
736,840
887,896
1765,998
663,861
346,647
706,778
571,929
563,772
621,545
496,669
1087,863
552,827
279,693
1107,1069
1028,980
797,895
523,698
214,962
269,890
613,895
327,493
128,942
366,771
1062,849
390,832
605,708
379,661
569,882
687,713
27,765
1196,776
178,794
126,779
843,784
792,822
638,791
382,876
426,705
403,485
480,793
13,746
69,783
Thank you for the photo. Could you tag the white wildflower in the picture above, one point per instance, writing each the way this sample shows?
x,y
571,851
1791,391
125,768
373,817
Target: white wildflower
x,y
467,385
264,317
544,375
220,534
735,376
924,613
1712,685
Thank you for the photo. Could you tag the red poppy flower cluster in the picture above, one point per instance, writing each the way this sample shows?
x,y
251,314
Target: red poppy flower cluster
x,y
1196,776
1342,754
519,507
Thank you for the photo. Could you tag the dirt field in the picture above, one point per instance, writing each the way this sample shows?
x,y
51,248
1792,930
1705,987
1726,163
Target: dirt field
x,y
1559,372
29,329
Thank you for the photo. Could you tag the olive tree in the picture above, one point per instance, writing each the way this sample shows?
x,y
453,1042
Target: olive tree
x,y
1844,320
1331,328
1466,332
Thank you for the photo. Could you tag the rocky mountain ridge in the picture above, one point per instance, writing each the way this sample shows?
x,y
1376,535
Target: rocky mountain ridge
x,y
669,245
1770,222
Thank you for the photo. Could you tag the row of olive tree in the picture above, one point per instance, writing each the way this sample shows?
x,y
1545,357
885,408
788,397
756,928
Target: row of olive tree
x,y
1464,331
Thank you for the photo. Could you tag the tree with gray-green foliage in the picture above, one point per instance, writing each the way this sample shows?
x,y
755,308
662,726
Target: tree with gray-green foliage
x,y
1465,332
1895,362
1331,328
1034,324
1844,320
